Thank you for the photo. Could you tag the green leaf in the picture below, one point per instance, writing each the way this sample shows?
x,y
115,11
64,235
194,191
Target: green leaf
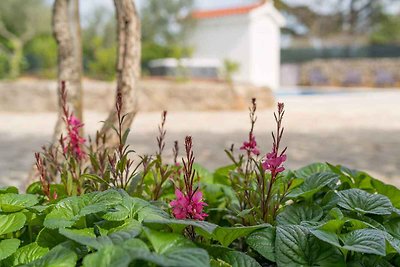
x,y
311,169
180,225
297,213
108,256
187,257
393,227
8,247
28,253
13,202
163,242
295,246
363,202
115,236
205,175
11,222
232,257
221,175
132,207
363,240
8,189
70,210
369,241
62,255
226,235
392,192
314,183
49,238
263,241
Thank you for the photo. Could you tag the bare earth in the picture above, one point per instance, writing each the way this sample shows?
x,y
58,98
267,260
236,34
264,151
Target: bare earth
x,y
360,130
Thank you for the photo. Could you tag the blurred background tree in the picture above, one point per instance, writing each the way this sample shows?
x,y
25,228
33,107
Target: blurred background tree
x,y
164,27
21,22
27,46
341,22
99,45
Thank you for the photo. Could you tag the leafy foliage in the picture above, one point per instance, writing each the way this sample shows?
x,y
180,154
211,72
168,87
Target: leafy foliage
x,y
318,215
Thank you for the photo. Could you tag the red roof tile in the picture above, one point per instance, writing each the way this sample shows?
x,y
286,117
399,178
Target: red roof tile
x,y
204,14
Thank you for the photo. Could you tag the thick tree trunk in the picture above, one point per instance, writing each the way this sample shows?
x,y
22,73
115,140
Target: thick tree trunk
x,y
66,30
128,66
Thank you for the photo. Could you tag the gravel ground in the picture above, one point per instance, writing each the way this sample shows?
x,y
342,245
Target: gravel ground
x,y
360,130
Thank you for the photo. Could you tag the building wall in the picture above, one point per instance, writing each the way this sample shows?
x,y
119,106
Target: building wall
x,y
264,50
224,38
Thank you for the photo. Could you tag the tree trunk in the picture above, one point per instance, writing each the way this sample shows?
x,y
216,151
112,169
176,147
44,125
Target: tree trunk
x,y
66,30
128,67
16,57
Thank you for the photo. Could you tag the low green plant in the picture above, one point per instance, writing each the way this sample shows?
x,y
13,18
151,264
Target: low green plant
x,y
251,213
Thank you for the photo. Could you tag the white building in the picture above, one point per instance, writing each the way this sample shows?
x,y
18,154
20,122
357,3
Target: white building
x,y
248,35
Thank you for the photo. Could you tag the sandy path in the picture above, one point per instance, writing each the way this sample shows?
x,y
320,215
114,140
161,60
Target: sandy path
x,y
361,130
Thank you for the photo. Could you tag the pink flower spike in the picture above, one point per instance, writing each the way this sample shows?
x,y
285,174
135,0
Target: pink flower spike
x,y
75,141
188,208
251,146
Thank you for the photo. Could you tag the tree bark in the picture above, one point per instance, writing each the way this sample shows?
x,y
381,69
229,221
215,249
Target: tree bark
x,y
128,67
67,32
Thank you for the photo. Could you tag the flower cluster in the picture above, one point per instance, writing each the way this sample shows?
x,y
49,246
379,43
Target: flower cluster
x,y
273,161
188,207
188,203
75,141
251,145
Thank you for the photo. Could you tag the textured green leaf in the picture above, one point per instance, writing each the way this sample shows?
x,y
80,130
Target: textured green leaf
x,y
137,208
393,227
232,257
8,247
311,169
70,210
297,213
163,242
187,257
108,256
363,202
178,225
263,241
11,222
314,183
50,238
115,236
390,191
8,189
62,255
28,253
369,241
226,235
295,246
13,202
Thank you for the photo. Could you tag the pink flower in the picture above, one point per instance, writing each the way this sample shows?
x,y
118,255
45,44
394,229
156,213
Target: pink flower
x,y
251,146
75,141
185,207
273,162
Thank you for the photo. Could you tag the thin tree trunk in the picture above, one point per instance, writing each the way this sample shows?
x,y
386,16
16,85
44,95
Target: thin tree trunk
x,y
128,67
66,30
